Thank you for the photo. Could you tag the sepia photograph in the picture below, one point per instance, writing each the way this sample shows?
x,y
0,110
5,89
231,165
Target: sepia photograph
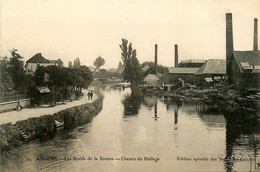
x,y
129,85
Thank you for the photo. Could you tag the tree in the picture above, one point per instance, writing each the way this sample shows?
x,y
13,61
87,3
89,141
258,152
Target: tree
x,y
131,65
120,67
6,82
17,71
99,62
160,69
60,79
76,63
60,63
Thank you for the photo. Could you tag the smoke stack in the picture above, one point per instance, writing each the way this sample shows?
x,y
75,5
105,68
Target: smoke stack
x,y
229,45
255,35
155,59
176,55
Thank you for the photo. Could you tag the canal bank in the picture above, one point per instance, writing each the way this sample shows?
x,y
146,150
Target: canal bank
x,y
45,126
229,101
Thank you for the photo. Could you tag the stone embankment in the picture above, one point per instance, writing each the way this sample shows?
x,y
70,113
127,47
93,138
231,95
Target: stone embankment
x,y
45,127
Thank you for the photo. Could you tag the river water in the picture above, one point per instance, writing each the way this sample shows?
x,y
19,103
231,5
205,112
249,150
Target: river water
x,y
145,134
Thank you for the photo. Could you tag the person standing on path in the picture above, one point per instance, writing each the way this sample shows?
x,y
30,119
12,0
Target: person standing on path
x,y
91,95
18,106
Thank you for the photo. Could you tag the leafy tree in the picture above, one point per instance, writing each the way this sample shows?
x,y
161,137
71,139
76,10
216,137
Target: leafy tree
x,y
120,67
6,82
160,69
60,63
131,65
17,71
76,63
60,79
99,62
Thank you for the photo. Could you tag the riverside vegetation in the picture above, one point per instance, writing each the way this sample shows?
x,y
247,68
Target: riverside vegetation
x,y
44,127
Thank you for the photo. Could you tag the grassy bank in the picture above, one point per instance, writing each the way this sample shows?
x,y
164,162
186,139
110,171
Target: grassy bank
x,y
44,127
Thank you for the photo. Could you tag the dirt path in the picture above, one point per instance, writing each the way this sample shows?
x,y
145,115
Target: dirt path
x,y
24,114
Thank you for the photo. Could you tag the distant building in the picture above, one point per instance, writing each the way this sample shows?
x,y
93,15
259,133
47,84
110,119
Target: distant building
x,y
38,59
245,69
213,68
112,70
186,74
151,79
191,63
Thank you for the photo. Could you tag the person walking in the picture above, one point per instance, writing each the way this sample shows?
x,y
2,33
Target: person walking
x,y
91,95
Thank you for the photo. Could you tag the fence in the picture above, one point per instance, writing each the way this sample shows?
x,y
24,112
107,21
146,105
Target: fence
x,y
11,96
9,106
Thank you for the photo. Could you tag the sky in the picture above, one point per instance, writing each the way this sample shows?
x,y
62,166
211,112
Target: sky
x,y
86,29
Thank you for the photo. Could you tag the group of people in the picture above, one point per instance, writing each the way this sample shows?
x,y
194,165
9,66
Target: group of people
x,y
90,95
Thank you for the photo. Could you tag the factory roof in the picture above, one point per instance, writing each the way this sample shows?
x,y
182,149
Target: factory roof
x,y
247,60
193,61
213,66
182,70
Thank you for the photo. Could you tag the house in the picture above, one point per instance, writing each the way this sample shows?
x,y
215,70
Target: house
x,y
176,73
245,69
151,79
191,63
214,69
38,59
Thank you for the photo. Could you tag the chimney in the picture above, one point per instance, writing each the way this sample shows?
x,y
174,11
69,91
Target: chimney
x,y
229,45
155,59
255,35
176,55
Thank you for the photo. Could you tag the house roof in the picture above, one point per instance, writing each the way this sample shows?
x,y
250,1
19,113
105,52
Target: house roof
x,y
213,66
43,89
37,58
248,60
193,61
151,77
183,70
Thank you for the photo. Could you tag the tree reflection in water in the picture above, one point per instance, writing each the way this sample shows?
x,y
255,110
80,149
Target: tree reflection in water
x,y
132,104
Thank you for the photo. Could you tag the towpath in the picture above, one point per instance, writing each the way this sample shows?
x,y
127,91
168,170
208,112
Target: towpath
x,y
14,116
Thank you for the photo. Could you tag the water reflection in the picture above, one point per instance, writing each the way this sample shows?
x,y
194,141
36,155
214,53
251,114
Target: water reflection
x,y
242,131
155,111
132,104
161,127
241,134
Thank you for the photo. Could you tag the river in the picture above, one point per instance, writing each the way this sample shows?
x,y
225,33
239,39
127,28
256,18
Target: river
x,y
145,134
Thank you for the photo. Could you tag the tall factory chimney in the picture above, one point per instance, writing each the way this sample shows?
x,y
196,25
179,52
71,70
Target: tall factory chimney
x,y
229,45
155,59
255,35
176,55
